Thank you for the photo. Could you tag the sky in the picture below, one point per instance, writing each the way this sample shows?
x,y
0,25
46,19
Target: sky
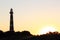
x,y
30,15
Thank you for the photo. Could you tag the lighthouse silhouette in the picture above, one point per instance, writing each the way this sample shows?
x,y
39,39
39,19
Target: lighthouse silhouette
x,y
11,20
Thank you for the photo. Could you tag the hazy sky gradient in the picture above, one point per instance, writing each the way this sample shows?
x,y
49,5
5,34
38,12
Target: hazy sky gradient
x,y
31,15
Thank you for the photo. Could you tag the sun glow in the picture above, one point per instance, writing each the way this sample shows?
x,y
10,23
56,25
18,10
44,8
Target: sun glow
x,y
47,29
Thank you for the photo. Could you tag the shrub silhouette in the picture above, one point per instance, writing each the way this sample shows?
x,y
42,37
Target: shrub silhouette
x,y
11,35
48,36
26,35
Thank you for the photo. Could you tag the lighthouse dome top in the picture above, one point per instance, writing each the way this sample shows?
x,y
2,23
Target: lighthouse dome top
x,y
11,11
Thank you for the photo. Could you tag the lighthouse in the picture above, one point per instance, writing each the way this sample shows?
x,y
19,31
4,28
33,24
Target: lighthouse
x,y
11,20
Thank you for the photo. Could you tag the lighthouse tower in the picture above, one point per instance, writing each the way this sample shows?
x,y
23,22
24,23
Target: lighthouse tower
x,y
11,20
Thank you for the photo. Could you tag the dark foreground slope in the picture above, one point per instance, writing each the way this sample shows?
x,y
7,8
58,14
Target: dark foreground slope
x,y
25,35
10,35
48,36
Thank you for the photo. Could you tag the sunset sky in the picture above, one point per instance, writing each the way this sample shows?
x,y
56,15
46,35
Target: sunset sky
x,y
30,15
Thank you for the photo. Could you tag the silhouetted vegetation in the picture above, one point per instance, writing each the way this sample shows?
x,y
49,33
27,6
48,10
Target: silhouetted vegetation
x,y
26,35
11,35
48,36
